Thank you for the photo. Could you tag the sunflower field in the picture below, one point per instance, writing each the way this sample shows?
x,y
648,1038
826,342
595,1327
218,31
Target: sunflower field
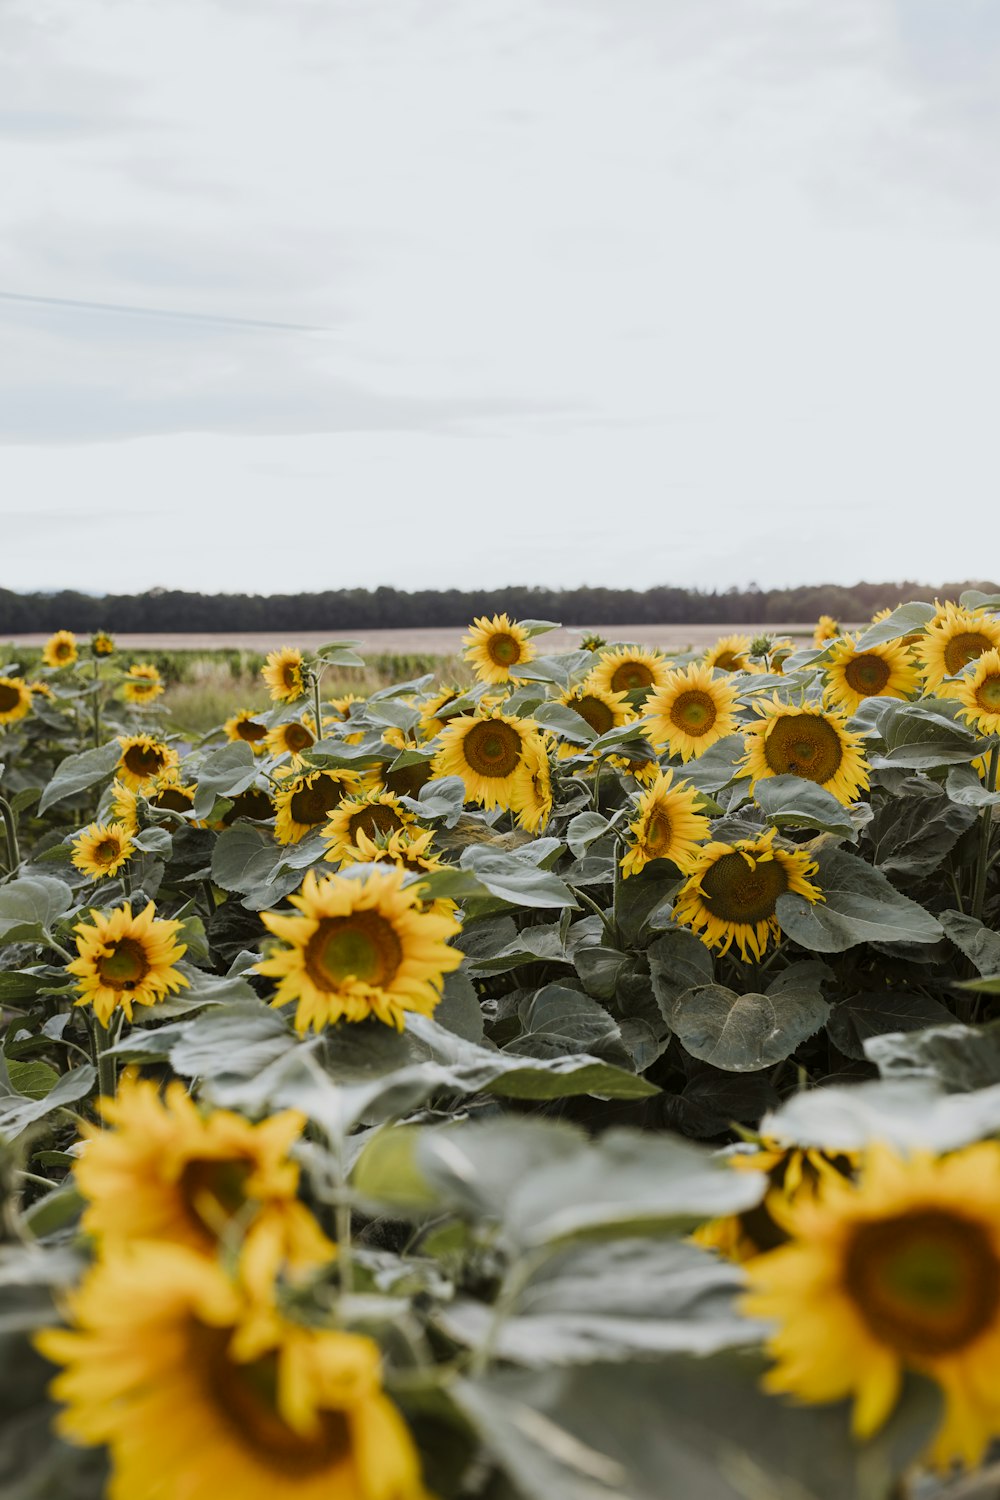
x,y
580,1085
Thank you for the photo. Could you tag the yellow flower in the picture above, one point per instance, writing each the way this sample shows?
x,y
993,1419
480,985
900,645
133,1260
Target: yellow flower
x,y
884,671
244,725
143,759
359,948
60,649
628,669
126,960
102,849
732,892
496,647
531,794
431,721
166,1171
41,690
372,813
691,711
143,683
600,709
292,738
900,1272
342,706
731,653
979,694
409,847
283,674
792,1171
255,803
954,638
304,801
196,1395
166,792
102,644
668,826
827,629
15,699
808,741
485,750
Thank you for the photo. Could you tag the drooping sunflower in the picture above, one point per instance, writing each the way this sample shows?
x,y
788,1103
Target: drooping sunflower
x,y
195,1394
979,694
245,725
101,850
883,671
143,759
283,674
954,638
531,796
731,894
102,644
731,653
60,649
808,741
691,711
358,948
165,1170
15,700
305,800
668,826
827,629
496,648
486,751
126,960
292,738
142,684
372,813
898,1272
628,669
792,1171
167,793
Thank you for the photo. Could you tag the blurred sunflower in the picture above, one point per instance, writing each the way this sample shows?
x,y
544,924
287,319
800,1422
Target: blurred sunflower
x,y
143,758
358,948
196,1395
60,649
731,894
292,738
808,741
245,725
142,684
283,674
102,644
101,850
485,750
979,694
691,711
900,1271
668,826
496,647
41,690
126,960
341,707
827,629
15,700
792,1171
303,801
884,671
628,669
954,638
531,794
373,813
731,653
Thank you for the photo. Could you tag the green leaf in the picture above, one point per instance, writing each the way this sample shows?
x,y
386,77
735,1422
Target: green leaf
x,y
873,1012
247,859
600,970
18,1110
924,736
910,1114
231,1040
964,787
860,906
32,1079
793,802
717,767
28,907
78,772
905,620
558,1022
584,830
912,834
959,1058
980,944
678,961
224,773
442,797
513,878
566,722
743,1033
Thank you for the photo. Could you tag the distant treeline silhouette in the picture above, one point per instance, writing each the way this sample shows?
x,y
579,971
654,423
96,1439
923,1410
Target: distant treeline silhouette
x,y
169,610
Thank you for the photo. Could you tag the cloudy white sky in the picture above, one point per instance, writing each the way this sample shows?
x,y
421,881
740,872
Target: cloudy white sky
x,y
322,293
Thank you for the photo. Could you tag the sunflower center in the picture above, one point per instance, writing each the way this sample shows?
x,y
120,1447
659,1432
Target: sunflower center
x,y
63,651
504,650
493,748
107,852
245,1397
406,781
694,712
125,966
803,745
290,675
739,890
310,804
867,675
173,799
729,661
987,695
9,697
249,804
630,676
144,760
926,1283
213,1191
658,830
362,946
373,820
297,737
246,729
597,714
962,649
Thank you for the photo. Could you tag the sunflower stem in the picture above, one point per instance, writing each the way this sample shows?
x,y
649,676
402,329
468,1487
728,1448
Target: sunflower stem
x,y
985,830
10,831
50,942
107,1072
608,924
315,688
345,1259
97,704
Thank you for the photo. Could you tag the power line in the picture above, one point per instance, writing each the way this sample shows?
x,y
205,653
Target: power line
x,y
160,312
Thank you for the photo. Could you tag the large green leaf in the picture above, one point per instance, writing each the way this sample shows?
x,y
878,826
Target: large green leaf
x,y
742,1033
912,833
514,878
793,802
224,773
980,944
904,620
871,1013
959,1058
911,1114
78,772
558,1022
28,907
18,1110
859,906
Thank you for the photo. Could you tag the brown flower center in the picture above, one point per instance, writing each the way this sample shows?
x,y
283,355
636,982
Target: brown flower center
x,y
173,799
10,697
694,712
595,711
987,695
144,760
729,661
373,820
297,737
738,889
107,851
125,966
252,803
310,804
658,830
492,748
631,676
962,649
291,676
867,675
803,745
504,650
213,1191
406,781
247,730
363,946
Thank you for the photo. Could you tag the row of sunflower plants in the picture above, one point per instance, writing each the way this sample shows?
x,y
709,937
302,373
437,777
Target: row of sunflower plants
x,y
579,1084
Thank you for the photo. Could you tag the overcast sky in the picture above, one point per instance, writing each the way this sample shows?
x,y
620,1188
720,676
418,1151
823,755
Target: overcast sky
x,y
322,293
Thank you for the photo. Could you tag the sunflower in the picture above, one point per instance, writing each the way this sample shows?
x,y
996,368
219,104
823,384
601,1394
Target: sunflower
x,y
359,948
486,751
126,960
808,741
15,699
954,638
601,710
668,826
496,647
195,1394
374,813
41,690
292,738
431,720
409,847
165,1170
254,803
342,706
60,649
246,726
167,793
628,669
827,629
792,1171
404,781
884,671
531,796
142,684
283,674
691,711
731,894
143,759
731,653
979,694
898,1272
102,849
305,800
102,644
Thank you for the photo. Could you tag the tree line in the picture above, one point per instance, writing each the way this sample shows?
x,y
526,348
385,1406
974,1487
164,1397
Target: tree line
x,y
169,610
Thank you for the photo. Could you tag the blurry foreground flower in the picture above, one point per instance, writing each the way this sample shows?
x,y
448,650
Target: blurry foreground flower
x,y
732,892
283,674
126,960
142,683
668,826
60,649
496,648
808,741
101,850
15,699
792,1171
